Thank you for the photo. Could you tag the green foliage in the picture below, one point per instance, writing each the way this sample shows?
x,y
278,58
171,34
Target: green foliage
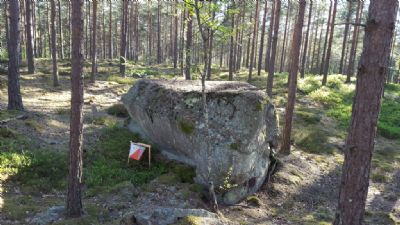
x,y
313,140
308,117
118,110
37,170
106,164
104,120
326,97
122,80
185,173
186,127
308,84
389,119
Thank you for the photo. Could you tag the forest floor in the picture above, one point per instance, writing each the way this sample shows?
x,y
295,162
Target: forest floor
x,y
304,189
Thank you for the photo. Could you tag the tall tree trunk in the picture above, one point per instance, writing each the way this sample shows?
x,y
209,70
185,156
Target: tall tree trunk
x,y
103,27
314,44
189,43
74,195
182,43
122,57
60,30
321,71
53,43
231,57
14,93
253,43
110,44
303,61
270,33
158,33
293,70
346,30
176,35
271,69
352,58
328,52
285,34
94,32
29,41
366,106
260,51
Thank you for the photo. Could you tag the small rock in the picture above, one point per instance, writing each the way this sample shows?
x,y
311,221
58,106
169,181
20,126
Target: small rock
x,y
52,214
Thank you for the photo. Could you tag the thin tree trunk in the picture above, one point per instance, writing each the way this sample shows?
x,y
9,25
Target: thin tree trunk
x,y
176,35
94,33
270,33
74,195
253,43
122,57
110,44
303,61
29,41
14,93
260,53
321,71
346,30
352,58
293,70
53,43
328,53
314,45
231,57
158,33
366,106
271,69
285,34
189,43
61,41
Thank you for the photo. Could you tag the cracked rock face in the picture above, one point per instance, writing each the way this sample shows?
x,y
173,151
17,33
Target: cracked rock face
x,y
234,154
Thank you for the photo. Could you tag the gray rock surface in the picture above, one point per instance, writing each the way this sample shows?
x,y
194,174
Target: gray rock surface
x,y
242,124
165,216
52,214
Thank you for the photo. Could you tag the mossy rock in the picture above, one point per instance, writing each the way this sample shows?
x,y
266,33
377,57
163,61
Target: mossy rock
x,y
186,127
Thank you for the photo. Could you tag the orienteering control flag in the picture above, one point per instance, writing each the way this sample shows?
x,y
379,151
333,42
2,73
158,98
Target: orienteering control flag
x,y
136,151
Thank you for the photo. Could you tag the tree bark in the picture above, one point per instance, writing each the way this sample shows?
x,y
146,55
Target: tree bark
x,y
60,30
53,43
74,195
366,106
29,41
328,53
285,33
176,35
346,30
110,44
231,54
352,57
303,61
122,57
270,33
253,43
260,51
158,33
271,69
326,39
294,68
94,33
189,42
14,93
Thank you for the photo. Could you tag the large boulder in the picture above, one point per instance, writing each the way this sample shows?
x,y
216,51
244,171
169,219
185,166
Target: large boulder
x,y
235,152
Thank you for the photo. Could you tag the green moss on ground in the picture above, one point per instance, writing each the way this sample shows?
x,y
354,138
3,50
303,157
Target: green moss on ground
x,y
118,110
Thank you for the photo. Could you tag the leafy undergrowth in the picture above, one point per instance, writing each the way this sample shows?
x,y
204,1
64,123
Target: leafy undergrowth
x,y
337,98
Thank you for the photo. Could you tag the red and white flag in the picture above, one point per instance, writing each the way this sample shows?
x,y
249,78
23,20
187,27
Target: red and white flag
x,y
136,151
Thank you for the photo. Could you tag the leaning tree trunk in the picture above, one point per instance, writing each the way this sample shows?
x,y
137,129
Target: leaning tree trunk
x,y
293,70
29,38
53,43
271,69
328,52
14,93
366,106
303,61
94,32
74,195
